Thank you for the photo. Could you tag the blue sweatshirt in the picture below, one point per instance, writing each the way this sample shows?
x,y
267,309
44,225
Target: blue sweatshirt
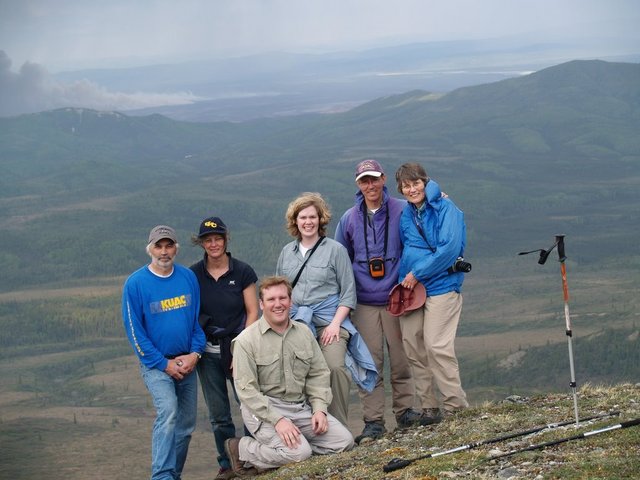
x,y
160,315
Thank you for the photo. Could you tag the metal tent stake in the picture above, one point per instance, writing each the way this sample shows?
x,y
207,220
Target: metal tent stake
x,y
544,254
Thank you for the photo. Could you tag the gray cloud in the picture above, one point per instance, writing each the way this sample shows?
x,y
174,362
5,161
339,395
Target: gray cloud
x,y
78,34
33,89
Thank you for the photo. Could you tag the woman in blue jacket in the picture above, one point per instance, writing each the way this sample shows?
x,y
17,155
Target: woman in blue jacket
x,y
433,234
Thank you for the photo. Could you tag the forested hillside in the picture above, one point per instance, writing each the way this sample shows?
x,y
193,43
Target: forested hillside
x,y
557,151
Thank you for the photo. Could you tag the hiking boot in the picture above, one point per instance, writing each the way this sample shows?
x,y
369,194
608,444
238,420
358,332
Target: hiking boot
x,y
372,431
430,416
232,449
224,474
451,413
431,412
409,418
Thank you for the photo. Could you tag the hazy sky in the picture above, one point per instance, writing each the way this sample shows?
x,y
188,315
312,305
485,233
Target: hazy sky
x,y
41,37
73,34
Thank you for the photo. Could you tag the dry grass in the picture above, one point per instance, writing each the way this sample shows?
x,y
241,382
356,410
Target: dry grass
x,y
612,455
98,424
109,438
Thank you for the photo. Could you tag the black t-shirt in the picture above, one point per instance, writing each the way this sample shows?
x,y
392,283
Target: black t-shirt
x,y
222,301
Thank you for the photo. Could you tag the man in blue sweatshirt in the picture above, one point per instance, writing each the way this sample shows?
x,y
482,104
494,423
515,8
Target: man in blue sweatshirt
x,y
160,306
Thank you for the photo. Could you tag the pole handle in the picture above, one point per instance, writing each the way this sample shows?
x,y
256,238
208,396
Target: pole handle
x,y
560,243
396,464
630,423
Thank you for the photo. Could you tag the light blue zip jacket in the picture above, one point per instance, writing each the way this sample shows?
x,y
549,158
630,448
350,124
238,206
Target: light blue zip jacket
x,y
429,259
358,360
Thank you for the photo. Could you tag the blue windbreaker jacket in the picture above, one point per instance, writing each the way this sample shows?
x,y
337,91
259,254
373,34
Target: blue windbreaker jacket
x,y
429,259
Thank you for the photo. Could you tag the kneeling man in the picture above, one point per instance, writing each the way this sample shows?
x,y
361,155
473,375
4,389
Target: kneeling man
x,y
282,381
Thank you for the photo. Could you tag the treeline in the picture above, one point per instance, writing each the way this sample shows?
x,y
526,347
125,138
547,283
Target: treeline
x,y
51,324
81,250
556,151
502,219
609,356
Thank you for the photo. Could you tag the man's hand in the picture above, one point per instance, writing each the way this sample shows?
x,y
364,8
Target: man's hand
x,y
174,369
288,432
181,366
319,423
187,363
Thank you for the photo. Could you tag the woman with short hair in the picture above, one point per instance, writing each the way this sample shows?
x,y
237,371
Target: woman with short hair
x,y
433,235
228,303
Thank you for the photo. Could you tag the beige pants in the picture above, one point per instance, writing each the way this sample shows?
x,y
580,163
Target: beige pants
x,y
377,327
428,335
266,449
339,377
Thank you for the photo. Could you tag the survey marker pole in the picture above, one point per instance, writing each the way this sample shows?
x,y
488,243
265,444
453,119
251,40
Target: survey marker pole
x,y
544,254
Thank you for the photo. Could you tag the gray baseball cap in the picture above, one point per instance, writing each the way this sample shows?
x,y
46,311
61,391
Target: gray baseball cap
x,y
162,231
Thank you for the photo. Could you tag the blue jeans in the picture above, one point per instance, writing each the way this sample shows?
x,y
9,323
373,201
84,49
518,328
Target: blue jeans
x,y
216,395
176,403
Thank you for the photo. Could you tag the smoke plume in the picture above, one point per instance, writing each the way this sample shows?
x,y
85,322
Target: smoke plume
x,y
34,89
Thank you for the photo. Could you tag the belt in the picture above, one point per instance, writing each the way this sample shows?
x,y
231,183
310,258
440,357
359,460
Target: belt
x,y
171,357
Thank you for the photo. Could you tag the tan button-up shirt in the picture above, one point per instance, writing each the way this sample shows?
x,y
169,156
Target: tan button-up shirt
x,y
290,367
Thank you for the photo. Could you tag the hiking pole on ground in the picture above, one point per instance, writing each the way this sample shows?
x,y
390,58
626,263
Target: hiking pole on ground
x,y
630,423
544,254
398,463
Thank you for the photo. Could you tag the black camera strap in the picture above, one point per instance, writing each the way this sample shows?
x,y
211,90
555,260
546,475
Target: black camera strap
x,y
416,220
365,219
293,284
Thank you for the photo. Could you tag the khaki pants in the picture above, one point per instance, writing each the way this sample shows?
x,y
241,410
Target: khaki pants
x,y
266,449
339,376
377,327
428,335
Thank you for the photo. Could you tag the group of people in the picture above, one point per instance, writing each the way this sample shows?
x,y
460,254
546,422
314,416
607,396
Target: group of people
x,y
324,324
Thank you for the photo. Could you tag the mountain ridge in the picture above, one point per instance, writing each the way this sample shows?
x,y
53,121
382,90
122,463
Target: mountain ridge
x,y
77,201
475,147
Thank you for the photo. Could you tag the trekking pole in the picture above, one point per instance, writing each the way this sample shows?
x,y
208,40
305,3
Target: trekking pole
x,y
544,254
630,423
398,463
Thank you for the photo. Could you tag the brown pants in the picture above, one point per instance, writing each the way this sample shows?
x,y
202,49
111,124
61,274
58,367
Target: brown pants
x,y
428,335
377,327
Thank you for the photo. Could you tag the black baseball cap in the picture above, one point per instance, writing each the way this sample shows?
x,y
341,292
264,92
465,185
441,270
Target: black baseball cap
x,y
212,225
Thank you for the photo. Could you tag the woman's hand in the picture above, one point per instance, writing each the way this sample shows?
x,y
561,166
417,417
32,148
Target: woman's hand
x,y
330,333
409,281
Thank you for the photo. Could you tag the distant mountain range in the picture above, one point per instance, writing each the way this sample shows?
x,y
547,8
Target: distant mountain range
x,y
556,151
279,83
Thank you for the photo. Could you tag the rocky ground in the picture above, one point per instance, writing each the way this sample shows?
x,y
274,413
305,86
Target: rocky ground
x,y
608,455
